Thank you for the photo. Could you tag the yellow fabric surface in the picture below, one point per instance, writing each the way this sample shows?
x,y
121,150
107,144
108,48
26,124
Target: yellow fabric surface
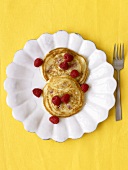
x,y
102,21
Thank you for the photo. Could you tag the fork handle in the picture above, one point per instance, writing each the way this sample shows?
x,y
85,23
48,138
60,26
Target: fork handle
x,y
118,99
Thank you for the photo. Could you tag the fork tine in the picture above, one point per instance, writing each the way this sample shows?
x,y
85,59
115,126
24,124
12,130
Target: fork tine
x,y
117,56
114,52
122,55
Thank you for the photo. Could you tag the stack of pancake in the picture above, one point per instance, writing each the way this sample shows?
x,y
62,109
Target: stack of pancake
x,y
60,82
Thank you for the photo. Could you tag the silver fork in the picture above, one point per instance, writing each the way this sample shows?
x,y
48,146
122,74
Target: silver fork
x,y
118,64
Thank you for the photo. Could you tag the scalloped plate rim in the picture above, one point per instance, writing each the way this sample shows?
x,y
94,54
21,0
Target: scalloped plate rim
x,y
28,68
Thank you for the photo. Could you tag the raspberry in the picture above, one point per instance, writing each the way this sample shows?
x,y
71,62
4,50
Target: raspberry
x,y
64,65
56,100
68,57
38,62
54,119
37,92
84,87
65,98
74,73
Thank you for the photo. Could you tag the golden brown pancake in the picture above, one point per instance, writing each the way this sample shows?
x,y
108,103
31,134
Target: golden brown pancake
x,y
52,60
58,86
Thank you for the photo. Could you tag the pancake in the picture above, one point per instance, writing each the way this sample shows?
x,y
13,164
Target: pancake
x,y
60,85
52,60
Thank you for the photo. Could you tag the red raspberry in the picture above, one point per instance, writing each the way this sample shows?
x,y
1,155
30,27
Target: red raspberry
x,y
37,92
54,119
64,65
74,73
68,57
84,87
65,98
38,62
56,100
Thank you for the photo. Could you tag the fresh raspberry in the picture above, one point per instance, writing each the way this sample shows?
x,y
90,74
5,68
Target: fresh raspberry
x,y
65,98
64,65
74,73
68,57
37,92
54,119
84,87
56,100
38,62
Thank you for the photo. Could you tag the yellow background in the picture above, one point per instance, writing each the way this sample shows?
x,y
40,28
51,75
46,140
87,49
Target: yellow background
x,y
102,21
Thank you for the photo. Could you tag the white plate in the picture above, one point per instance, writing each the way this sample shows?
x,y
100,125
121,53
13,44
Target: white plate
x,y
22,77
